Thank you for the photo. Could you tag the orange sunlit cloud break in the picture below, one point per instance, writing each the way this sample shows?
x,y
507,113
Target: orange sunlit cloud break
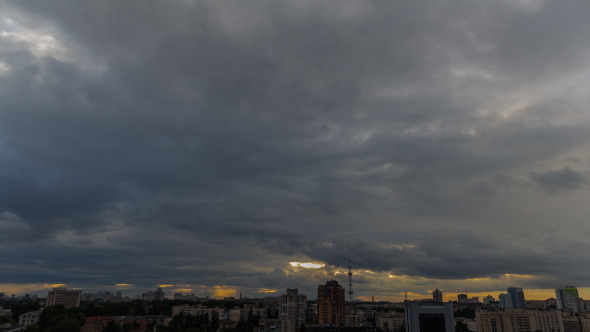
x,y
308,265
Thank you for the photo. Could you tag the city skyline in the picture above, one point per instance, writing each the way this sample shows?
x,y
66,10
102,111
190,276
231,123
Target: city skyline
x,y
226,147
530,294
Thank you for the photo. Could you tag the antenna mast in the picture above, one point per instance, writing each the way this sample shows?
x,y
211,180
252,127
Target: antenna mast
x,y
349,277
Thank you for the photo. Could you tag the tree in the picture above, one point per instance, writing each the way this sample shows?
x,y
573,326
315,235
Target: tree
x,y
32,328
461,327
21,308
67,325
5,319
214,325
48,315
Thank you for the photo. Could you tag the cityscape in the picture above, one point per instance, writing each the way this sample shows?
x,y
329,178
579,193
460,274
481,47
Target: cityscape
x,y
294,165
74,310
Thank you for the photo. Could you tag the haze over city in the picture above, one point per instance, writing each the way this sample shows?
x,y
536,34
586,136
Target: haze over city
x,y
244,147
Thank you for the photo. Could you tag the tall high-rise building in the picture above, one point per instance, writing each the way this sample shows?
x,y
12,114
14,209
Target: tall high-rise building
x,y
331,303
437,295
517,297
461,298
293,306
488,300
560,298
159,295
567,298
65,297
505,301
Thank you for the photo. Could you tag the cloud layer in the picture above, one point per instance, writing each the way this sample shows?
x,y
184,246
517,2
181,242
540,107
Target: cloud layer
x,y
211,143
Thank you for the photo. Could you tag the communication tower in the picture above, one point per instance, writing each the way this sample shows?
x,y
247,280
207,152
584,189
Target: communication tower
x,y
349,277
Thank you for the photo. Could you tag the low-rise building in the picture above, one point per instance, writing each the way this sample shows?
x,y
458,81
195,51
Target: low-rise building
x,y
393,322
29,318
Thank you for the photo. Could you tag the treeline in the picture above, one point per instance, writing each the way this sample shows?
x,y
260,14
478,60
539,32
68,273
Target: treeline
x,y
190,323
20,308
201,323
467,312
58,319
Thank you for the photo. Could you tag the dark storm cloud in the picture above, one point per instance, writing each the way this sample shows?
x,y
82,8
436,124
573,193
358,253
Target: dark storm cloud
x,y
206,142
560,180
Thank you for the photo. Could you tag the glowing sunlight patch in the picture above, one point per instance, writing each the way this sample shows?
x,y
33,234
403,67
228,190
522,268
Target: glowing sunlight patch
x,y
183,290
224,291
266,290
308,265
124,286
53,285
402,246
523,276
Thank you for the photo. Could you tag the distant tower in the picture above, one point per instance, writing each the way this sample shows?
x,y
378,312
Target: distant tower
x,y
349,277
437,295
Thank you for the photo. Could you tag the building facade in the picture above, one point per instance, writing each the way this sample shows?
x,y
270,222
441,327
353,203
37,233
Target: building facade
x,y
392,322
516,297
505,301
293,306
429,316
29,318
65,297
567,298
518,320
331,304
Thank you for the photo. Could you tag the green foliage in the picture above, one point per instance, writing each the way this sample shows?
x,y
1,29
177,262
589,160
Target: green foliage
x,y
67,325
94,310
57,319
199,323
48,314
461,327
133,308
32,328
21,308
162,328
138,308
160,308
5,319
247,325
112,327
465,313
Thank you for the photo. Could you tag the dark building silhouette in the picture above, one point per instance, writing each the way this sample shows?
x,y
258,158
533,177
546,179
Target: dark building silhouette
x,y
345,329
437,295
331,303
517,297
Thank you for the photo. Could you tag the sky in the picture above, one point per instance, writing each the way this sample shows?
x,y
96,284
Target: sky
x,y
219,147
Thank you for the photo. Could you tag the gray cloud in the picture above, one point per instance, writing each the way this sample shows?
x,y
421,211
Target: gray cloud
x,y
214,142
560,180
